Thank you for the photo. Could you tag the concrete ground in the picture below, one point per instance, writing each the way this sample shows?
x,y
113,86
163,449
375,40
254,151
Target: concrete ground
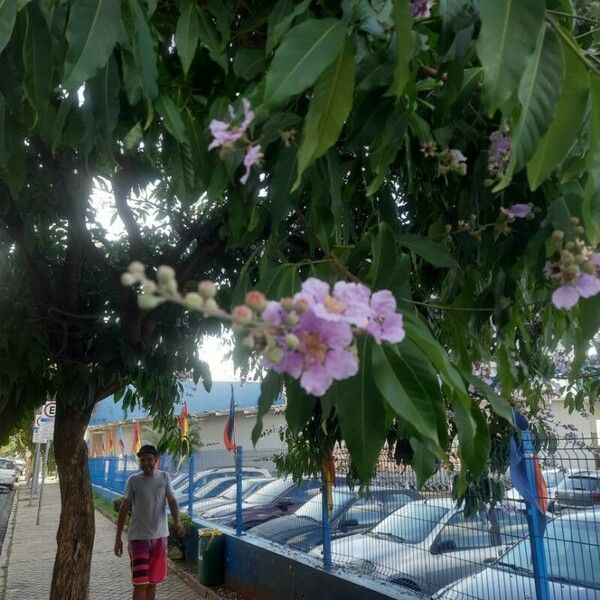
x,y
27,558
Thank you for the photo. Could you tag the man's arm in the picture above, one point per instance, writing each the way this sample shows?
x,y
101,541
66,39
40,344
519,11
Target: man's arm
x,y
123,512
174,508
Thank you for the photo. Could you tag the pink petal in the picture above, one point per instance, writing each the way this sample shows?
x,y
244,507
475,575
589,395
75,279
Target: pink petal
x,y
565,296
341,364
588,285
316,380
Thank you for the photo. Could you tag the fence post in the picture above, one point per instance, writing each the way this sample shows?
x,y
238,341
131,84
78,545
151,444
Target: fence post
x,y
536,534
326,528
239,464
192,472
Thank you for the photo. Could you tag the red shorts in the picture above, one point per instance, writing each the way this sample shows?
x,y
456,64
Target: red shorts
x,y
148,561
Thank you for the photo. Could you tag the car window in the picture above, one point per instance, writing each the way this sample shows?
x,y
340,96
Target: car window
x,y
313,508
394,500
464,533
7,464
553,478
304,491
512,526
269,492
411,523
584,483
365,512
571,547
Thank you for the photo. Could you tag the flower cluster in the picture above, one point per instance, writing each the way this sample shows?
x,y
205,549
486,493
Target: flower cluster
x,y
421,9
518,211
227,133
499,155
577,270
449,160
311,336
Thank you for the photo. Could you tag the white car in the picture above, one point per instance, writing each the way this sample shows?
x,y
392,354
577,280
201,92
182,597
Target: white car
x,y
8,473
552,477
426,544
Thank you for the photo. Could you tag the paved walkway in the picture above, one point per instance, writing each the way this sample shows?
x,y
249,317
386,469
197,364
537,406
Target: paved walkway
x,y
29,557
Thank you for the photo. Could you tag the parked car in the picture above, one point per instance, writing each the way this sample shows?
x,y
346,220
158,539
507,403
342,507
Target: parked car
x,y
572,545
8,473
203,477
426,544
579,490
228,497
552,477
351,514
278,498
212,489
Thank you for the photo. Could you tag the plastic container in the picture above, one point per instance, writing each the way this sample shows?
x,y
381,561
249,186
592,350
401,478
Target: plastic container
x,y
210,556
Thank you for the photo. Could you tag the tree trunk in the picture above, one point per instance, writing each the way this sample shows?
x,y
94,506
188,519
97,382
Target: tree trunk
x,y
75,536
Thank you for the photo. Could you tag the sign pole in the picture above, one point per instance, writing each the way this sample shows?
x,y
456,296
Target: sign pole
x,y
34,476
45,469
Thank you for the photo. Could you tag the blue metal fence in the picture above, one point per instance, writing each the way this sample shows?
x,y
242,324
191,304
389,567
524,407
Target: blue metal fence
x,y
414,538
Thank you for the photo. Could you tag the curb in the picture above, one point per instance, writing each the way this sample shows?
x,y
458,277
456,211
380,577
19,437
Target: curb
x,y
204,593
7,544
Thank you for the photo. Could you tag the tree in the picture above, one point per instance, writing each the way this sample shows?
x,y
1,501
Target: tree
x,y
443,151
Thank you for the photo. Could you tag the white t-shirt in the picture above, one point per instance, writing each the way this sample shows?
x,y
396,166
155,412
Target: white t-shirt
x,y
148,496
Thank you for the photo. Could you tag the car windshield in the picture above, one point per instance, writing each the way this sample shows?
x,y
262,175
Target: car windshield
x,y
553,478
583,483
313,509
247,486
215,487
269,492
7,464
412,523
571,547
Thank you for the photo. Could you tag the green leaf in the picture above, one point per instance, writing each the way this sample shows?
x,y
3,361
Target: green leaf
x,y
509,31
280,185
300,405
281,19
248,63
169,112
143,50
590,211
432,252
37,59
566,126
383,250
186,36
8,14
538,96
104,90
361,413
92,33
499,404
410,387
307,50
134,137
403,23
424,462
593,158
209,38
270,388
328,109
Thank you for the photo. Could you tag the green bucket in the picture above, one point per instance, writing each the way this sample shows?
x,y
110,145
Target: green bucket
x,y
210,556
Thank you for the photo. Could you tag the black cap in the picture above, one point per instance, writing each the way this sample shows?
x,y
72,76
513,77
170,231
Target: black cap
x,y
147,449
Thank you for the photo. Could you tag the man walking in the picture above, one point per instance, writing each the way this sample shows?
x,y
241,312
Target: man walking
x,y
146,497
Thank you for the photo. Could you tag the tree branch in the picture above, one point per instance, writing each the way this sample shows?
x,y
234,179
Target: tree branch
x,y
122,189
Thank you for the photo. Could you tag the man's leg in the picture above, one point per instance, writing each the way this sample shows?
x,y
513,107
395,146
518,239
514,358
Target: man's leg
x,y
139,592
150,591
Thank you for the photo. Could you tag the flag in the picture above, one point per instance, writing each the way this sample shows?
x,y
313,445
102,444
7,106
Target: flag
x,y
137,443
229,432
184,422
518,472
329,479
120,441
110,442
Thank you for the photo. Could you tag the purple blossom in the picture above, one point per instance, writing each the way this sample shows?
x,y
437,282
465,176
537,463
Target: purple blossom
x,y
567,296
457,156
253,157
248,115
222,134
274,313
385,323
517,211
421,9
499,154
595,260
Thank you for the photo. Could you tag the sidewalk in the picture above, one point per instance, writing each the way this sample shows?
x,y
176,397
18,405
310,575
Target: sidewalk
x,y
30,556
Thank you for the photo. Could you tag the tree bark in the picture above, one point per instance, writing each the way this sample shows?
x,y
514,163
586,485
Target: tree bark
x,y
75,536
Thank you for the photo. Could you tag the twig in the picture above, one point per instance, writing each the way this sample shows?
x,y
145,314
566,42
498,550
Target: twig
x,y
568,40
571,16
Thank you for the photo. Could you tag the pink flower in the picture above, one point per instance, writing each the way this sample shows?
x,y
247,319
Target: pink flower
x,y
222,134
567,296
385,324
595,260
421,9
517,211
499,154
253,157
248,115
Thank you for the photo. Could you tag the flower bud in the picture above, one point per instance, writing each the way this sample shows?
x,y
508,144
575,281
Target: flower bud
x,y
274,354
301,306
248,342
579,229
169,286
148,287
291,341
128,279
256,300
148,302
137,269
558,234
194,301
574,221
207,289
165,274
292,319
211,307
242,314
460,168
287,304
